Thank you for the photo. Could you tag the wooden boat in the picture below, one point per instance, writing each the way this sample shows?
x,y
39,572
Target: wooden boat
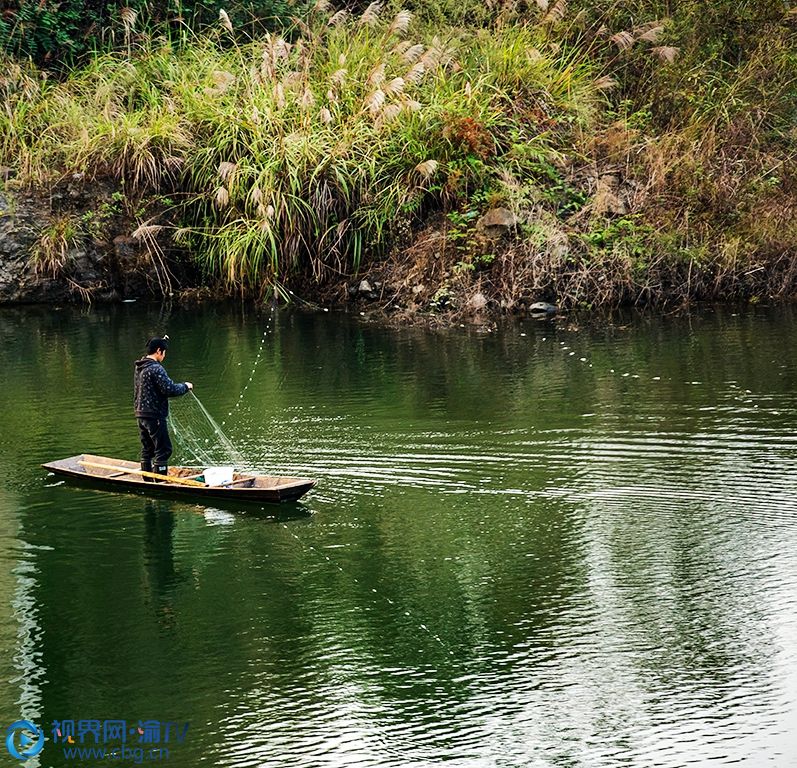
x,y
118,474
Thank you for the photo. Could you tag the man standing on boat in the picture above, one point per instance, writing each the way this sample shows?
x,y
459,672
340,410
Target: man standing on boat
x,y
153,388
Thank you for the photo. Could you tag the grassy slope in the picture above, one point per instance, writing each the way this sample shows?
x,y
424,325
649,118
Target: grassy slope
x,y
639,170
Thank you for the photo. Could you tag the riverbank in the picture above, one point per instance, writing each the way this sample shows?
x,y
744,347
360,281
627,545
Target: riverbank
x,y
449,172
426,280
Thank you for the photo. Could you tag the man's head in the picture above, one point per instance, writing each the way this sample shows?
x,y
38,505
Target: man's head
x,y
156,348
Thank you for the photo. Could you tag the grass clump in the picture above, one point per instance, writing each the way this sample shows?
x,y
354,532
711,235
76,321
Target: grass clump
x,y
51,253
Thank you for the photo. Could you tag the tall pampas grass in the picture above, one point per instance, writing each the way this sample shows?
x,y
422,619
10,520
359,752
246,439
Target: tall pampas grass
x,y
370,15
300,154
400,23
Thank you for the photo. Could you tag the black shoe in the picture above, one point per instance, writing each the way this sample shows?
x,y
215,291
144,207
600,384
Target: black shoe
x,y
161,469
146,466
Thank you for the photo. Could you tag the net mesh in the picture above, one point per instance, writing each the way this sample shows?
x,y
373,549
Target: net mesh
x,y
198,434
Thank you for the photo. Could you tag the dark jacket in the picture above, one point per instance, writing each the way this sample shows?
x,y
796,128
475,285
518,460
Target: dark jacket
x,y
153,388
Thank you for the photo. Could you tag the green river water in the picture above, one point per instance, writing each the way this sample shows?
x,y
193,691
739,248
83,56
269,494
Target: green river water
x,y
542,546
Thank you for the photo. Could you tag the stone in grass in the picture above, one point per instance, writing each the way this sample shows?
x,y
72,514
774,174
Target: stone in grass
x,y
366,290
543,308
496,223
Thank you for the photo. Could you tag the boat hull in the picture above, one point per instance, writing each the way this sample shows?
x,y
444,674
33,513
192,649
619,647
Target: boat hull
x,y
247,487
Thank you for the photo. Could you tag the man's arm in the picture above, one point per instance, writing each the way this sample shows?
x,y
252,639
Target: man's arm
x,y
167,386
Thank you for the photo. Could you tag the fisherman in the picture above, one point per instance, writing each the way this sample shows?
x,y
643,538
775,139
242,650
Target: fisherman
x,y
153,388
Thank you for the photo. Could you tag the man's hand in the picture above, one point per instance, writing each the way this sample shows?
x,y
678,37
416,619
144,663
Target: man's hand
x,y
189,385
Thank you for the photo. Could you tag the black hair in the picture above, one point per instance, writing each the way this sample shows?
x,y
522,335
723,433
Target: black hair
x,y
153,345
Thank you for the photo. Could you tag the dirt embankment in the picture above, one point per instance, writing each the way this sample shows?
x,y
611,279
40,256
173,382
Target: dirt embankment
x,y
82,243
75,244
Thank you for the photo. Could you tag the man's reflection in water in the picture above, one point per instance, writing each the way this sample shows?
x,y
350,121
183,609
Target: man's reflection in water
x,y
159,571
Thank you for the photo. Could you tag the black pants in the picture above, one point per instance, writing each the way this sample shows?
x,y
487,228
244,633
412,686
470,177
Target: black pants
x,y
156,447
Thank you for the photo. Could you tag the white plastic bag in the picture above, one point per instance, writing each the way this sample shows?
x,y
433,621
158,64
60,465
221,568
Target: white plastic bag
x,y
219,475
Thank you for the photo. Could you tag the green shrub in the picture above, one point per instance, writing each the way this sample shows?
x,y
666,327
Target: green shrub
x,y
58,32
